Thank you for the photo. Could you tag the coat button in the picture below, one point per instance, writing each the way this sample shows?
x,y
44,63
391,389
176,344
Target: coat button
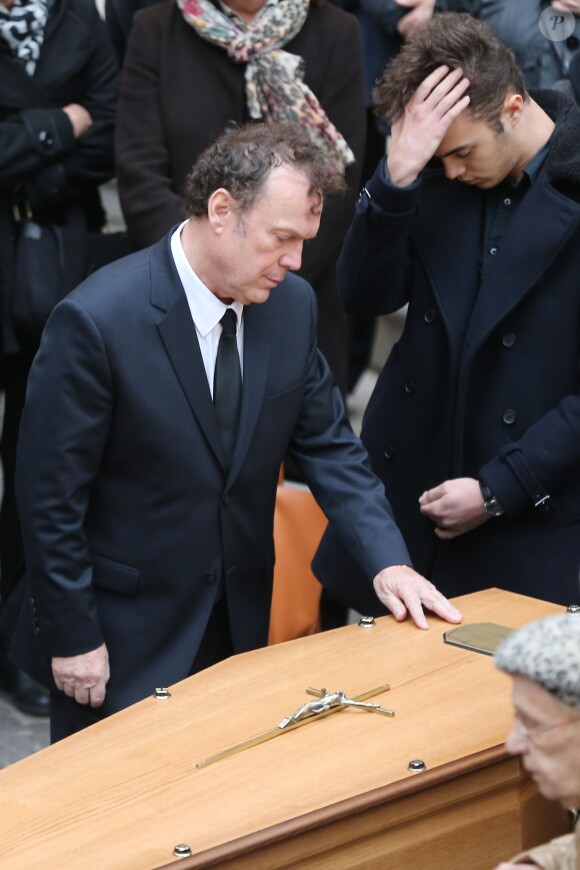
x,y
508,340
430,316
46,139
389,451
210,579
226,500
509,417
410,388
36,631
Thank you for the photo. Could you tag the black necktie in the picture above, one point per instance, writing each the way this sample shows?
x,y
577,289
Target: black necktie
x,y
227,384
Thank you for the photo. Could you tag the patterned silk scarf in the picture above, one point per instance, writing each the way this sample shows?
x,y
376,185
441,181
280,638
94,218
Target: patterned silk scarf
x,y
22,28
275,89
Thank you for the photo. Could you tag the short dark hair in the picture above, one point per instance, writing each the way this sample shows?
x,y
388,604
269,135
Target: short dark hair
x,y
241,160
456,40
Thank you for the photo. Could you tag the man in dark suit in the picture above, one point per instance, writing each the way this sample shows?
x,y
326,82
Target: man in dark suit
x,y
58,93
474,221
146,508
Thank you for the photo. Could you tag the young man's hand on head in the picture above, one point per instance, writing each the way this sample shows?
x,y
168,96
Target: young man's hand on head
x,y
428,115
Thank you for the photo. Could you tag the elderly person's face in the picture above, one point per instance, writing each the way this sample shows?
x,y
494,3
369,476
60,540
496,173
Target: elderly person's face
x,y
546,734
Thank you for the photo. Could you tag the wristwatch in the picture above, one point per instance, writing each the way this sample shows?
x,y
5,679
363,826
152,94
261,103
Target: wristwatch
x,y
490,502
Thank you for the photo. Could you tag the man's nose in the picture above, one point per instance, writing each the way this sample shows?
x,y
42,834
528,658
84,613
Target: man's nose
x,y
292,258
516,743
453,169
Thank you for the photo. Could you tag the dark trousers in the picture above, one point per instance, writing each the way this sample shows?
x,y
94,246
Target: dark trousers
x,y
216,643
67,717
16,368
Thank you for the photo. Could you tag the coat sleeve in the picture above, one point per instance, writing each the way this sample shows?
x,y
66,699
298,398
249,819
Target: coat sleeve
x,y
70,396
546,457
336,467
32,139
373,277
558,854
150,203
90,160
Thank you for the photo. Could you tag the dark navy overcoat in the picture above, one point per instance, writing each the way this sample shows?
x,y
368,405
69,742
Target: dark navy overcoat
x,y
498,402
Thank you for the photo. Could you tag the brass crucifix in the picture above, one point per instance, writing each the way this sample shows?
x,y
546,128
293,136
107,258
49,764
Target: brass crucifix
x,y
327,703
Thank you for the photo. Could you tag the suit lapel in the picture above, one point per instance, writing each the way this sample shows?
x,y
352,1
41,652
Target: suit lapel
x,y
529,246
449,242
180,340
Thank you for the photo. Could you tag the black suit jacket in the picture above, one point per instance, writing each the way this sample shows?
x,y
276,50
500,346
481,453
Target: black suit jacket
x,y
129,514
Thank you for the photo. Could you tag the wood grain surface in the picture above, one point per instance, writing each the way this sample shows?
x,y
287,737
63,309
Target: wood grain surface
x,y
336,792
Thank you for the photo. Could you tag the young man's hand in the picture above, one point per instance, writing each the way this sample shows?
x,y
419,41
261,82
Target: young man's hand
x,y
455,506
565,6
417,134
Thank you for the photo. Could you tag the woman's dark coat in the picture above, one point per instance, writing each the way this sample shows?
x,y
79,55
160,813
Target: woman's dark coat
x,y
40,159
179,93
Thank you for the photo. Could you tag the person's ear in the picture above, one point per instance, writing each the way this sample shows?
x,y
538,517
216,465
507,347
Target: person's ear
x,y
513,107
219,209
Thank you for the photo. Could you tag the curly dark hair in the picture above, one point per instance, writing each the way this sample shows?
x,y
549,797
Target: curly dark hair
x,y
242,158
456,40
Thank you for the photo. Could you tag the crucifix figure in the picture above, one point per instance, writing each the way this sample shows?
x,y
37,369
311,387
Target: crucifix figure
x,y
325,702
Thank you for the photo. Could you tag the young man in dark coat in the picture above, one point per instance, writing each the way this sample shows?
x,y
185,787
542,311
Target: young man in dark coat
x,y
474,221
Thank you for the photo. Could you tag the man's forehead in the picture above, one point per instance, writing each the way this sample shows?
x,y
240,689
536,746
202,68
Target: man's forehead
x,y
286,173
463,132
285,191
296,230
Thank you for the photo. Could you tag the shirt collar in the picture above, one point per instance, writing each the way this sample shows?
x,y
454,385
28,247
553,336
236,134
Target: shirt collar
x,y
533,167
206,309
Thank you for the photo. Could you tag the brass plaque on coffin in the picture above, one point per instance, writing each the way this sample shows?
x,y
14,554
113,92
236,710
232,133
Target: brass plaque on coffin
x,y
482,637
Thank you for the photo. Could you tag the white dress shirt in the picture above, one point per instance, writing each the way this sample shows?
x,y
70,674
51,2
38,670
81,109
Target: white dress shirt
x,y
206,310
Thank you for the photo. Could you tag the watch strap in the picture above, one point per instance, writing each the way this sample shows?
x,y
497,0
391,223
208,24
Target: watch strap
x,y
490,502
